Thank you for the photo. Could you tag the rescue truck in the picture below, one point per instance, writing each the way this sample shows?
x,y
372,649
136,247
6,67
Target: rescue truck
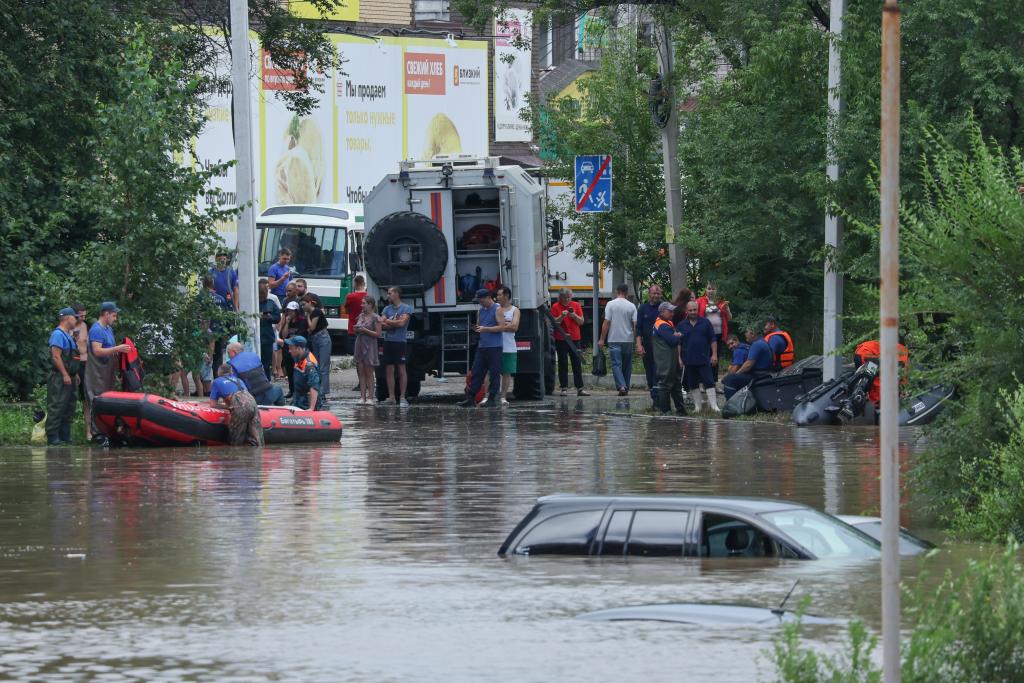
x,y
440,230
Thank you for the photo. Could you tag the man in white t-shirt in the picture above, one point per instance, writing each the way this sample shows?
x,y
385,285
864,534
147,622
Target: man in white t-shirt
x,y
618,333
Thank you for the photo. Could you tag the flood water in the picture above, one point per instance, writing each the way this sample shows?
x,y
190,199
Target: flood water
x,y
374,560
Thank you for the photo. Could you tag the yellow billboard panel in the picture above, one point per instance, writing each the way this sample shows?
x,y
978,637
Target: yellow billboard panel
x,y
347,11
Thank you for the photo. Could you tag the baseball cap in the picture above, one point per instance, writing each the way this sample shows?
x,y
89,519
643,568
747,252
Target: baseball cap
x,y
67,311
293,306
481,293
297,340
109,307
665,306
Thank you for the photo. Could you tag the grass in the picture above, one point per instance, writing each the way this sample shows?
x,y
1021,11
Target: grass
x,y
16,425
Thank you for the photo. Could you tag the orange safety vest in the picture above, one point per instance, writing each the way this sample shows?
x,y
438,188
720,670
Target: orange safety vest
x,y
658,322
872,350
301,365
784,359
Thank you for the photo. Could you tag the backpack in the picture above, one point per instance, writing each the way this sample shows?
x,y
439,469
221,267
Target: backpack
x,y
131,368
742,402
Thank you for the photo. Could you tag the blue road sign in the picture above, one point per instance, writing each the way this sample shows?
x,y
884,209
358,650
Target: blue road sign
x,y
593,183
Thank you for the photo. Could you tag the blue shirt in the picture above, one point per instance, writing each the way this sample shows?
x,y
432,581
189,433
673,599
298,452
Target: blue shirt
x,y
777,344
489,318
696,340
62,341
103,335
739,354
223,387
646,314
761,355
275,271
224,282
397,334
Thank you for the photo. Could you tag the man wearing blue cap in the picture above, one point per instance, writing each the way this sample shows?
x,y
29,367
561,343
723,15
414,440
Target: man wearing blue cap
x,y
102,365
60,387
306,395
487,360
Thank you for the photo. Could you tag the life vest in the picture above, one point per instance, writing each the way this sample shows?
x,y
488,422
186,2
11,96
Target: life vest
x,y
658,322
784,359
252,374
131,368
872,351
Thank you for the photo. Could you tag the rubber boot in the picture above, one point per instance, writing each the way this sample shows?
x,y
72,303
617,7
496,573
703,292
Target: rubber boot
x,y
713,400
664,402
698,400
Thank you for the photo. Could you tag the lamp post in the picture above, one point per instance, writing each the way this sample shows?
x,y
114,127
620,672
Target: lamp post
x,y
833,332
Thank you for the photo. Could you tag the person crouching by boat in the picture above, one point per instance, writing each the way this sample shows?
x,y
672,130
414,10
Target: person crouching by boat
x,y
249,368
306,376
228,391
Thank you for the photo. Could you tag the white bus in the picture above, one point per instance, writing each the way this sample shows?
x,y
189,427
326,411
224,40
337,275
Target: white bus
x,y
326,241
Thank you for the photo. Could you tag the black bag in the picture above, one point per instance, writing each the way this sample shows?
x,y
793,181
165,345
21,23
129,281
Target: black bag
x,y
600,364
742,402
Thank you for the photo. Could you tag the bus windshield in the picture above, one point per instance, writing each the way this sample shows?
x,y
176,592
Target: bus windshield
x,y
316,252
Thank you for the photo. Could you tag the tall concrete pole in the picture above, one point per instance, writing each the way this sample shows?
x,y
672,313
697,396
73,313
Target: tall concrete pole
x,y
833,337
244,181
669,151
889,312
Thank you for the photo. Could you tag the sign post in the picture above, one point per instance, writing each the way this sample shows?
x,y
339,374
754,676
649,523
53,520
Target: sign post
x,y
593,189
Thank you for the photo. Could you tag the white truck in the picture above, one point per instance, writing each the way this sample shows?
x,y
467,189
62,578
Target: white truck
x,y
443,228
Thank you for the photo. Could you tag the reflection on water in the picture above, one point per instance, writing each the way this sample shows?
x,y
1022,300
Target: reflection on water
x,y
375,559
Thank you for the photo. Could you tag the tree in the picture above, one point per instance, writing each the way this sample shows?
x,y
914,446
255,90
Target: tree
x,y
611,117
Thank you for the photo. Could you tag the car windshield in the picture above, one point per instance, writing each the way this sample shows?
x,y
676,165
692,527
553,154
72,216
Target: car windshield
x,y
316,252
823,535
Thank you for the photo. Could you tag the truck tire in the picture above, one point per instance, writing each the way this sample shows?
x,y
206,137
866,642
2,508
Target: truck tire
x,y
415,268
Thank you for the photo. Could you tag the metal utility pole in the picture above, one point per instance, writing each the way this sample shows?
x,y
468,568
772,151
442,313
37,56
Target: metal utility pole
x,y
833,338
889,312
669,151
597,314
244,181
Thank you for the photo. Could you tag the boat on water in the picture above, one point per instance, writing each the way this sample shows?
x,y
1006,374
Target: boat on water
x,y
139,419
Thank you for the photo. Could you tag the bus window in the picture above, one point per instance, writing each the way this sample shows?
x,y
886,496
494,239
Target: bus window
x,y
316,252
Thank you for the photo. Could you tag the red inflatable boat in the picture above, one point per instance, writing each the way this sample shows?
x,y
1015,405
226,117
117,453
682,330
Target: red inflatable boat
x,y
150,420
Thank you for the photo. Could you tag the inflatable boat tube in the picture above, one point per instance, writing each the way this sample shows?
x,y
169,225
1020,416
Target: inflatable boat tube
x,y
151,420
821,405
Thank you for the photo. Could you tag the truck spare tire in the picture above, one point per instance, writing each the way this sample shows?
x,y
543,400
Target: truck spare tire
x,y
407,250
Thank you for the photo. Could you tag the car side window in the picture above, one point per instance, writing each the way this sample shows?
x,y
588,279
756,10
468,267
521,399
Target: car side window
x,y
566,534
617,532
725,536
658,533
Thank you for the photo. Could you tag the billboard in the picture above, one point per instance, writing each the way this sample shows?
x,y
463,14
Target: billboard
x,y
512,69
303,9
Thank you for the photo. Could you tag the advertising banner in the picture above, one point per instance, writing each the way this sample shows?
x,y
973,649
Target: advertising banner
x,y
347,11
512,69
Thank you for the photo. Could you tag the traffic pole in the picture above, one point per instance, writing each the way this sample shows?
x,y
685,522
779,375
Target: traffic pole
x,y
889,312
833,333
244,181
670,158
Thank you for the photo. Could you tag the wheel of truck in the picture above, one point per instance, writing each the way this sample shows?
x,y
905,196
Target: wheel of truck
x,y
549,365
407,250
412,387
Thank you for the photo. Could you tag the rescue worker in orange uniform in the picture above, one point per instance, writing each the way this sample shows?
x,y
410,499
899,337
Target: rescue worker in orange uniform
x,y
780,342
871,350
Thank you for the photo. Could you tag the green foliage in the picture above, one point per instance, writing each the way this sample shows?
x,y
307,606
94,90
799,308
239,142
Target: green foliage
x,y
968,629
611,117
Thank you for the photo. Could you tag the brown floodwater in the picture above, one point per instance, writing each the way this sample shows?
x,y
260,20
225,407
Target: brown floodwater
x,y
375,559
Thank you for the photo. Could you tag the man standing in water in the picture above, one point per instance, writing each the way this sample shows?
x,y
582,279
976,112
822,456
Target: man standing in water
x,y
646,314
700,355
244,426
60,387
101,369
487,361
394,319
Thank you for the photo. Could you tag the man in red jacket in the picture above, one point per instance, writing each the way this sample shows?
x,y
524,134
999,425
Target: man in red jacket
x,y
568,316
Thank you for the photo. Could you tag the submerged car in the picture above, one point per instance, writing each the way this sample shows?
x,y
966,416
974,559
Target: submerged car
x,y
872,526
703,614
681,526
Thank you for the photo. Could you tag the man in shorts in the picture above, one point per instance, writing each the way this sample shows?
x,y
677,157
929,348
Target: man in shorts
x,y
394,320
488,358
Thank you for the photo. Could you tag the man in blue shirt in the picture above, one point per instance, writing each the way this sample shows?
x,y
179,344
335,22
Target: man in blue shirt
x,y
394,320
646,314
488,352
101,368
280,274
700,355
225,280
60,387
244,425
758,363
738,350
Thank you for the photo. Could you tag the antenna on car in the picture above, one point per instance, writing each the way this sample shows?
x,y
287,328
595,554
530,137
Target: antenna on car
x,y
779,611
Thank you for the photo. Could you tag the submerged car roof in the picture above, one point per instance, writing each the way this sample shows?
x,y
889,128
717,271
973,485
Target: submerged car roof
x,y
739,503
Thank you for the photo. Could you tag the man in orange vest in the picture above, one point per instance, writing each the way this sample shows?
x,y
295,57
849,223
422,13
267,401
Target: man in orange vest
x,y
780,342
871,350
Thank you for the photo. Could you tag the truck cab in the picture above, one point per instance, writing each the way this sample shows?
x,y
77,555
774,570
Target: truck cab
x,y
441,229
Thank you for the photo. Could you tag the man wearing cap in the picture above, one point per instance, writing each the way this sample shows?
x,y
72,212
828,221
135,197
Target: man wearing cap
x,y
665,342
487,360
306,394
101,368
60,387
225,279
248,367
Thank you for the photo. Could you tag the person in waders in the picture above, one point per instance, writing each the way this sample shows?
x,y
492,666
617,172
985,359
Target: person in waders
x,y
228,391
101,368
60,387
665,340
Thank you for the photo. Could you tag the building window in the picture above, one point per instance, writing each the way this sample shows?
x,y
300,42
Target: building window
x,y
431,10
